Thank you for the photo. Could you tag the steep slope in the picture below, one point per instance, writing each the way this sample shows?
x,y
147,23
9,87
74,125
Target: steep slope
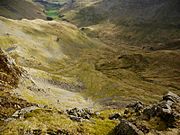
x,y
43,48
57,54
51,66
18,9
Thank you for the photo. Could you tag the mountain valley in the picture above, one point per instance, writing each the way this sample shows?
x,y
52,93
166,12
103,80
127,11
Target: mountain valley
x,y
95,67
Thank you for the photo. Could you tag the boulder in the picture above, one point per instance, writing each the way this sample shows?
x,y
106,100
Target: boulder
x,y
172,97
127,128
79,114
136,106
150,111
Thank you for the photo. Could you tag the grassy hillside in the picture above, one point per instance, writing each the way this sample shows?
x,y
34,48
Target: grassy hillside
x,y
63,68
67,69
59,51
18,9
137,23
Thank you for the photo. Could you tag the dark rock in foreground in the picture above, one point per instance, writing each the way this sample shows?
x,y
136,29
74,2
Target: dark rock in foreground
x,y
138,119
127,128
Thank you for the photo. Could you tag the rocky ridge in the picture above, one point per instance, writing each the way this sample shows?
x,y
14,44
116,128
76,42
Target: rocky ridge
x,y
9,71
138,118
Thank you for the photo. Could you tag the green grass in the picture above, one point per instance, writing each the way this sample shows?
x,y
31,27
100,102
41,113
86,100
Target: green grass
x,y
61,52
53,13
52,119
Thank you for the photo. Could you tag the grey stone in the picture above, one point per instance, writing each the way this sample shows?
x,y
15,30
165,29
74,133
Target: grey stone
x,y
137,106
172,97
22,112
127,128
79,113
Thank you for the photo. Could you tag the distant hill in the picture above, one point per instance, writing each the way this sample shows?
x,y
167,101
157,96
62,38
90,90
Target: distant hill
x,y
128,20
18,9
126,10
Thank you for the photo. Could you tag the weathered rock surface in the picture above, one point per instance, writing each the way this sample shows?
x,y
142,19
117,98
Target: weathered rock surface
x,y
166,113
137,106
22,112
171,97
9,71
79,115
127,128
167,109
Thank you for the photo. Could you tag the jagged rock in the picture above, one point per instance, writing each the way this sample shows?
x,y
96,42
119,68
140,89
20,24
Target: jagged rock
x,y
172,97
167,110
143,128
127,128
80,114
9,71
162,109
149,112
165,113
137,106
115,116
22,112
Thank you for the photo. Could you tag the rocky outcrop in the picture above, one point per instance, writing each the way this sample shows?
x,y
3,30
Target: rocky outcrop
x,y
79,115
9,104
127,128
137,106
9,71
167,110
138,118
22,112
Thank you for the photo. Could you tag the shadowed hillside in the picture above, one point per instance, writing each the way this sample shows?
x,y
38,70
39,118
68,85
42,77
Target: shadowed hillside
x,y
18,9
136,22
